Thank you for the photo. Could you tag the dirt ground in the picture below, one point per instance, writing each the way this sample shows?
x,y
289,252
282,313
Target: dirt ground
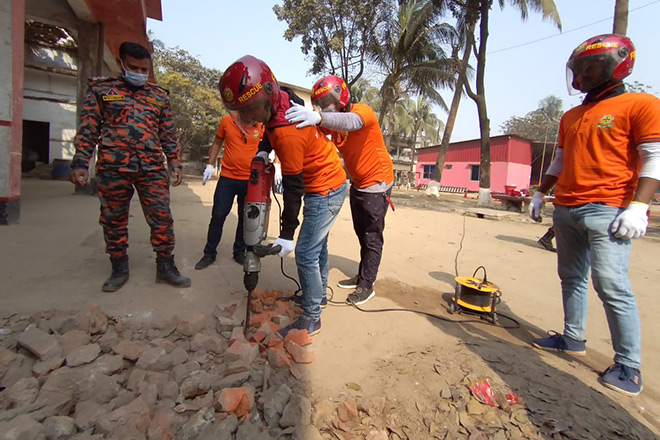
x,y
54,259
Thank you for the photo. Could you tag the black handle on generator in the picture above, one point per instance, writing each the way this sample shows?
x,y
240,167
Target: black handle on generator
x,y
485,280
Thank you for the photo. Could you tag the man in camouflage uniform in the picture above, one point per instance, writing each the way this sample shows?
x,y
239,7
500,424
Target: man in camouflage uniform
x,y
132,123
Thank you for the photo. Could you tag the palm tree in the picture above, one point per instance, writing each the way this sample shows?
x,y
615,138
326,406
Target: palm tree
x,y
412,58
362,91
620,17
414,118
480,9
463,40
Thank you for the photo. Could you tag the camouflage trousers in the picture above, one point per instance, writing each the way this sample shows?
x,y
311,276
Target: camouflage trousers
x,y
116,190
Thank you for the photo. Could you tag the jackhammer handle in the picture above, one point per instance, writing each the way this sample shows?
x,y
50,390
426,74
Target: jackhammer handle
x,y
262,251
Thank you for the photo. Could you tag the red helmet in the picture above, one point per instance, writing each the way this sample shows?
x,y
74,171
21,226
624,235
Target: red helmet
x,y
615,53
247,80
330,90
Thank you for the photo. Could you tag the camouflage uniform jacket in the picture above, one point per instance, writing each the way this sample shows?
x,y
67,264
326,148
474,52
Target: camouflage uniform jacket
x,y
132,126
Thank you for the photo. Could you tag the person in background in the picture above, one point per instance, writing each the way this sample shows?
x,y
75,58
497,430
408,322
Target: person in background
x,y
546,240
241,142
606,171
311,170
355,130
131,121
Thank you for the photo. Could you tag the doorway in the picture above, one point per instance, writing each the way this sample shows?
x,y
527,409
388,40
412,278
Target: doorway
x,y
36,144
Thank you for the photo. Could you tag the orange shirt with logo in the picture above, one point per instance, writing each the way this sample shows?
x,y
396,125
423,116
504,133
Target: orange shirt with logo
x,y
600,139
309,152
241,144
366,158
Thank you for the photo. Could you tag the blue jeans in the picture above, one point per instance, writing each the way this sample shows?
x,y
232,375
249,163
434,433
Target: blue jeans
x,y
319,214
223,200
583,241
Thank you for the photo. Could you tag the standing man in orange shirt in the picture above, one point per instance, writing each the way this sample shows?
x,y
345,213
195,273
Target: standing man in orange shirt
x,y
241,142
606,170
311,169
357,134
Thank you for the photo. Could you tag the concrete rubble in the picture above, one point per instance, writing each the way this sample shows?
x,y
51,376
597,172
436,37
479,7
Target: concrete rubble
x,y
85,375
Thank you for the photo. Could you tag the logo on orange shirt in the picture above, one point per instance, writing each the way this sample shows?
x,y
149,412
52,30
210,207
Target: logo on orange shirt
x,y
606,121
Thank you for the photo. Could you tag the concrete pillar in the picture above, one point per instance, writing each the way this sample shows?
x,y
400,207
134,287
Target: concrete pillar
x,y
12,29
87,57
90,64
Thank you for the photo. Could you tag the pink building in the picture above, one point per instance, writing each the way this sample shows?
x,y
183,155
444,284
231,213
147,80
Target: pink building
x,y
510,161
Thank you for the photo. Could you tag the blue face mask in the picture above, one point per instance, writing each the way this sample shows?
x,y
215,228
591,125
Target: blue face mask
x,y
136,79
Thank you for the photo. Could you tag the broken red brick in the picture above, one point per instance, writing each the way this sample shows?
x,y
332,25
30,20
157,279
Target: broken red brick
x,y
258,336
299,354
276,343
300,337
237,401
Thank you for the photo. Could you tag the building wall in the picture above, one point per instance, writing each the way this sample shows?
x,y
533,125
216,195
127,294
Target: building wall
x,y
507,173
510,164
51,97
11,108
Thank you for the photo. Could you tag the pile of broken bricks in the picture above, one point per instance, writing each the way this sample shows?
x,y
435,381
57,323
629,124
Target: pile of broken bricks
x,y
85,375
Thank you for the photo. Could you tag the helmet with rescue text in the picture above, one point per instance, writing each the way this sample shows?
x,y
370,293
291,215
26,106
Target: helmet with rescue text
x,y
599,60
249,87
331,93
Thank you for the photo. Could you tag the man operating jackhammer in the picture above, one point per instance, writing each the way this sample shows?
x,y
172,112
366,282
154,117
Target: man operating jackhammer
x,y
311,169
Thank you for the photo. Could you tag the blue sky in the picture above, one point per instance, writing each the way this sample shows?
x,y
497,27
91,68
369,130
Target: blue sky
x,y
517,78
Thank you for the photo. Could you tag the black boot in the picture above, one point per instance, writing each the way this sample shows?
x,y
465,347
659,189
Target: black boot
x,y
546,241
119,274
166,272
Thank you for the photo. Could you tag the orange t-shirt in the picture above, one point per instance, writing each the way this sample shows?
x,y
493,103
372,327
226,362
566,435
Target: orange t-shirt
x,y
241,144
309,152
366,158
601,162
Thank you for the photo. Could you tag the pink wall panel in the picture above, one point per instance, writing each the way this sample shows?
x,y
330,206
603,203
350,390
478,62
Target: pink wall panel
x,y
510,163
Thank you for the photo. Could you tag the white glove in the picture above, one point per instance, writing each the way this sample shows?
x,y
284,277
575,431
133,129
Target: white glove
x,y
306,117
535,206
208,173
287,246
264,156
632,222
277,181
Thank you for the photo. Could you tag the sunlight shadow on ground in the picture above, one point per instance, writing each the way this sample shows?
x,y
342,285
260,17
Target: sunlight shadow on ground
x,y
519,240
550,394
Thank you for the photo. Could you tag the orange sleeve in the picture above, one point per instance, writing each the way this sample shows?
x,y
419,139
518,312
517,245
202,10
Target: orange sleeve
x,y
646,120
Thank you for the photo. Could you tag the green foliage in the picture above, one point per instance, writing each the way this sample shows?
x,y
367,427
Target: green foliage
x,y
336,35
412,56
194,96
540,125
415,119
362,91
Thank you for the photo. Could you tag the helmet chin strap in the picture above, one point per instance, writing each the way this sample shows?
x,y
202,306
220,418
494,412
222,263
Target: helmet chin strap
x,y
605,90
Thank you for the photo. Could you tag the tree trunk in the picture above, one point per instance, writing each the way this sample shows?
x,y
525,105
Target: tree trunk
x,y
620,17
453,110
480,100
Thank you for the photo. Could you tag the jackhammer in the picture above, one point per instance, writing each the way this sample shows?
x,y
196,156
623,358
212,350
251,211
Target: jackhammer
x,y
255,226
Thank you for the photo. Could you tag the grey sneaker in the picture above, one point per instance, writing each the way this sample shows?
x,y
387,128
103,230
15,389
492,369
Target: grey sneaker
x,y
350,283
562,343
360,296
